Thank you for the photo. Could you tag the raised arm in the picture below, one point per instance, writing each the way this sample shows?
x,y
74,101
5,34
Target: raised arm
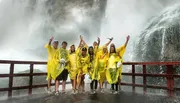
x,y
50,40
48,45
127,40
98,41
110,40
84,43
80,41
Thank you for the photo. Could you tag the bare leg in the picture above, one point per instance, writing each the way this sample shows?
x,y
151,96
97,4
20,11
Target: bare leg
x,y
63,85
82,82
72,82
57,85
79,81
49,83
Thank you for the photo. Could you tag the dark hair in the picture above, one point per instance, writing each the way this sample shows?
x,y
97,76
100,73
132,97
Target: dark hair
x,y
91,54
84,49
56,42
71,47
64,42
114,49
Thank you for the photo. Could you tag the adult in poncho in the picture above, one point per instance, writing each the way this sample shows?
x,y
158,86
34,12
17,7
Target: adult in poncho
x,y
62,67
52,61
114,66
73,69
101,59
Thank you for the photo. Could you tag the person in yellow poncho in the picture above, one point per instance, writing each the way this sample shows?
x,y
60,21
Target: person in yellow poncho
x,y
62,69
52,50
93,70
120,52
114,69
82,64
73,67
102,58
73,70
112,72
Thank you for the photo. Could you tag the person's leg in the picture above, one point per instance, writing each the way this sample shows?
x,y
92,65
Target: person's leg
x,y
91,84
79,81
117,86
112,86
83,83
57,85
96,84
65,75
49,83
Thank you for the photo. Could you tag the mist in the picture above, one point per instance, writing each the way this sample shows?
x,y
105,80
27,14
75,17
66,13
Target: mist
x,y
129,17
27,25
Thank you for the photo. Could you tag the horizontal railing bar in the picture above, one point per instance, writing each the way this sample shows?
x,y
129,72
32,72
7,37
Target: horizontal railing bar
x,y
152,63
21,62
23,74
125,63
149,75
141,85
127,74
33,86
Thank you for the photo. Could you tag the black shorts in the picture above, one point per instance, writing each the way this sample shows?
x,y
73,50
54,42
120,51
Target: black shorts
x,y
63,76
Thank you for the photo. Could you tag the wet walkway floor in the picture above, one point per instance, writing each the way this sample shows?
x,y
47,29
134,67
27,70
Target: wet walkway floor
x,y
107,97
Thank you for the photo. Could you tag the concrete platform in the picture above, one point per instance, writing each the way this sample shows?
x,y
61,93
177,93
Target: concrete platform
x,y
107,97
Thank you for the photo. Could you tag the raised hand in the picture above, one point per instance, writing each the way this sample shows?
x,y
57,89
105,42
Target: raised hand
x,y
81,37
110,38
51,38
128,37
98,39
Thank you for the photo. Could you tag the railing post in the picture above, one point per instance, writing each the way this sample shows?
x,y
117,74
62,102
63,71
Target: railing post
x,y
133,78
11,80
144,79
30,79
170,80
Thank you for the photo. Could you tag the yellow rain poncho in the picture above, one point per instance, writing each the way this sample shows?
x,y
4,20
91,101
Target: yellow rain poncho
x,y
73,70
61,53
52,61
83,64
120,51
93,72
102,59
112,72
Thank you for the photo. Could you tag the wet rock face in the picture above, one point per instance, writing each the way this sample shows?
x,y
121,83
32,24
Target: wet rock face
x,y
160,40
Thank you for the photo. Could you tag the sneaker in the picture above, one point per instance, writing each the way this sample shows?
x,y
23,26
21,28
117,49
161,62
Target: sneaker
x,y
48,90
83,91
102,90
92,91
116,92
73,91
95,91
57,93
63,92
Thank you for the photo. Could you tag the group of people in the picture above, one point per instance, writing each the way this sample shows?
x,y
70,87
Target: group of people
x,y
96,61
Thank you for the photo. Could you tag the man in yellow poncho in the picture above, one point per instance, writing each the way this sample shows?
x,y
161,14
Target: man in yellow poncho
x,y
114,69
62,69
82,64
102,58
52,50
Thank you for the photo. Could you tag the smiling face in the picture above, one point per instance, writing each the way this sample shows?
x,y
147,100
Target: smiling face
x,y
112,48
73,48
55,44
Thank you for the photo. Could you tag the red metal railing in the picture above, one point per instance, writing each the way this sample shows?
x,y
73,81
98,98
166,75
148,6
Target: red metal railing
x,y
169,75
31,74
